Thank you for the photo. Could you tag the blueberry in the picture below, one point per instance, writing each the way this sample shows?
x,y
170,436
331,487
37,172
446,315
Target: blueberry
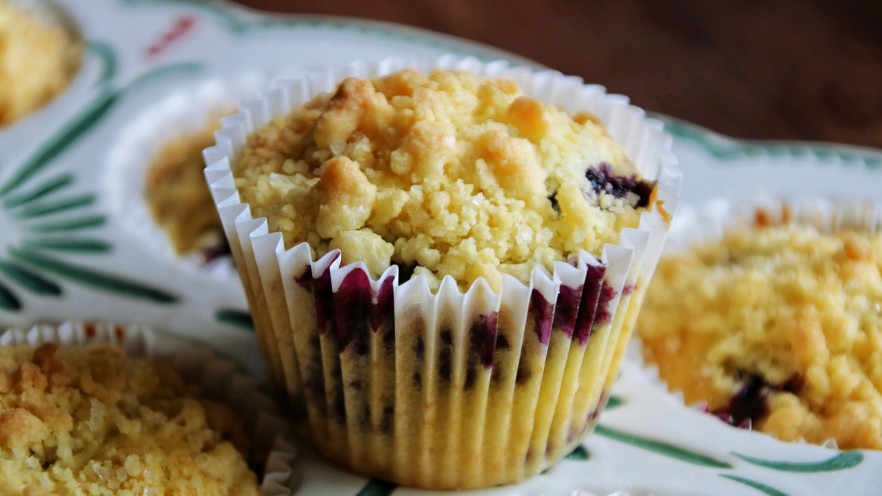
x,y
602,179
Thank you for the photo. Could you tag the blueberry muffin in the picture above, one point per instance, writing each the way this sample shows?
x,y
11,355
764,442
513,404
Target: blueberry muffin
x,y
38,57
77,420
775,326
439,283
179,200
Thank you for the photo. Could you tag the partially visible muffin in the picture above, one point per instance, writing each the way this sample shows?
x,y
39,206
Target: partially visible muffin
x,y
179,199
778,326
77,420
37,60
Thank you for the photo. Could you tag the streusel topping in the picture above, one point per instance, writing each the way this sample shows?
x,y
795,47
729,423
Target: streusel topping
x,y
91,421
778,325
446,173
37,59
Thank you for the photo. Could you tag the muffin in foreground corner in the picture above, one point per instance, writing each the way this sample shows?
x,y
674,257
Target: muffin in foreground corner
x,y
776,325
406,221
77,420
38,57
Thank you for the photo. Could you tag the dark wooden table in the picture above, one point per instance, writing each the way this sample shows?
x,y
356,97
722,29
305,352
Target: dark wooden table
x,y
776,69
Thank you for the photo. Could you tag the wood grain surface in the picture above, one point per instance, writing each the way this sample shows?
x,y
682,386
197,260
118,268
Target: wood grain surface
x,y
776,69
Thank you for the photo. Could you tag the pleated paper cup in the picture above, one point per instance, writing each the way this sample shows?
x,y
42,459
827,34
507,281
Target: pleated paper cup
x,y
216,378
445,390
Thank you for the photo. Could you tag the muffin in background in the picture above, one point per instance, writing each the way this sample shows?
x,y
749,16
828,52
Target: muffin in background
x,y
179,199
776,323
395,234
38,57
77,420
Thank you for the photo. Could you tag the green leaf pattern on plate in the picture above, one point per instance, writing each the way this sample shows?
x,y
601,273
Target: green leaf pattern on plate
x,y
236,26
759,486
92,278
39,211
842,461
377,488
237,318
728,149
661,447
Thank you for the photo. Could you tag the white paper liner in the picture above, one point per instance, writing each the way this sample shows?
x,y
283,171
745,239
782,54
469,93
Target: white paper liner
x,y
289,294
216,378
708,222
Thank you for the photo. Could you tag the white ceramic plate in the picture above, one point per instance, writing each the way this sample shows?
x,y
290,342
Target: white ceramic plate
x,y
76,243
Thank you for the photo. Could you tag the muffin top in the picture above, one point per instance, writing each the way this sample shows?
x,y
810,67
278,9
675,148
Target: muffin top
x,y
445,173
179,199
92,421
779,326
36,61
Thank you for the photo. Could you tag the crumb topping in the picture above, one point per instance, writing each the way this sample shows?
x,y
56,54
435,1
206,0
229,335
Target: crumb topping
x,y
179,198
450,173
91,421
781,325
37,60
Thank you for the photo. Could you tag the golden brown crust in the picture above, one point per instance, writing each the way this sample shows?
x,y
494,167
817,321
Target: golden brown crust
x,y
92,421
37,59
178,196
792,307
454,174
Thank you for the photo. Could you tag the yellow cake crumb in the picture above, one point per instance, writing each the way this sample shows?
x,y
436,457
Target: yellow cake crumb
x,y
92,421
37,59
453,174
789,311
178,196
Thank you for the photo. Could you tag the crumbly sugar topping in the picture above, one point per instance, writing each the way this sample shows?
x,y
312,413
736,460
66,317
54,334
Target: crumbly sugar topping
x,y
178,196
91,421
779,324
446,173
37,60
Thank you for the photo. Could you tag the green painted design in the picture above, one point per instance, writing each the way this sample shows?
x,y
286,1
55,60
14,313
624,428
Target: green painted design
x,y
8,300
108,60
661,448
162,72
759,486
842,461
29,280
614,402
68,245
40,191
87,222
84,121
58,143
226,18
92,278
377,488
729,149
238,318
581,454
57,206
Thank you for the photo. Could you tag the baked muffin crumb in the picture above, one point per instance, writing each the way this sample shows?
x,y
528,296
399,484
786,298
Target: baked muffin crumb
x,y
92,421
778,326
37,59
179,199
455,174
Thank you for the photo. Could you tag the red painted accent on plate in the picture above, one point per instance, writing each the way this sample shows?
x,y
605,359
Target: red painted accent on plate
x,y
181,26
